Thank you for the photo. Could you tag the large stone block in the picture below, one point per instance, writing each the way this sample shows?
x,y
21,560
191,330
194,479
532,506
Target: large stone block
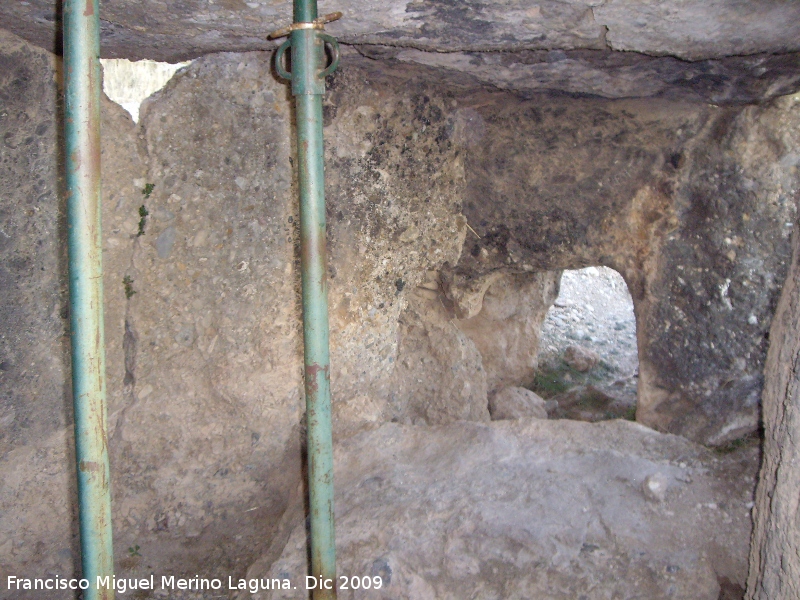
x,y
530,509
689,203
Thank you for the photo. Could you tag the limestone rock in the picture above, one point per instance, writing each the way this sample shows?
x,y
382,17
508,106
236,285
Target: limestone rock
x,y
208,324
655,487
465,511
354,414
699,186
35,401
775,551
506,328
580,358
695,30
732,80
516,403
32,272
723,52
439,376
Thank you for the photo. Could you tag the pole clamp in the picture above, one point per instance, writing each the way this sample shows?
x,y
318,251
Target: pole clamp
x,y
318,23
308,82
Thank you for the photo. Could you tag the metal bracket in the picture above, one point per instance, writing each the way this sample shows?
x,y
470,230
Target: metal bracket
x,y
318,23
326,39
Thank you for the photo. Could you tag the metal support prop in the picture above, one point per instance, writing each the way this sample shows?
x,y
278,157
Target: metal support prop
x,y
307,42
82,128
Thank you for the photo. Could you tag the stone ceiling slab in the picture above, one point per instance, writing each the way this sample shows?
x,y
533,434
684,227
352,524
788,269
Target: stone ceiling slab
x,y
718,51
691,29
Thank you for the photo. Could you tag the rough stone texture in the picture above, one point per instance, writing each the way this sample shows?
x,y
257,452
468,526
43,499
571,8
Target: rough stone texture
x,y
461,339
695,30
394,180
721,51
505,321
708,330
648,188
204,357
36,499
209,322
775,550
580,358
516,403
531,509
733,80
33,270
439,376
215,317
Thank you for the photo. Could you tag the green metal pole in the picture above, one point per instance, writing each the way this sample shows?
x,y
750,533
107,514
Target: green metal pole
x,y
308,87
82,127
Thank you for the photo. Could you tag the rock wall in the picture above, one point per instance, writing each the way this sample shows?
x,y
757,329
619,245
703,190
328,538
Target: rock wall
x,y
451,210
775,549
202,300
690,203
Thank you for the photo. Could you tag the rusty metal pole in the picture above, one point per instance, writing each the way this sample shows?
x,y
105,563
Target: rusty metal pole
x,y
307,42
82,128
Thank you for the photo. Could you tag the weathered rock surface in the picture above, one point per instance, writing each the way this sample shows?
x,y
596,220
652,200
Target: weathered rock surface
x,y
202,311
33,349
505,321
580,358
439,377
532,509
204,359
516,403
775,550
725,51
36,456
698,185
733,80
697,29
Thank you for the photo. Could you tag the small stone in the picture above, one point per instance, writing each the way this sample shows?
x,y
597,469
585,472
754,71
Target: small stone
x,y
516,403
580,358
655,487
410,234
165,241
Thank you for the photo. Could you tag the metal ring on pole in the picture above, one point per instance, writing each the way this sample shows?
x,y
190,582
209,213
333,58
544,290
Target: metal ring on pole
x,y
318,23
328,39
279,59
335,54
